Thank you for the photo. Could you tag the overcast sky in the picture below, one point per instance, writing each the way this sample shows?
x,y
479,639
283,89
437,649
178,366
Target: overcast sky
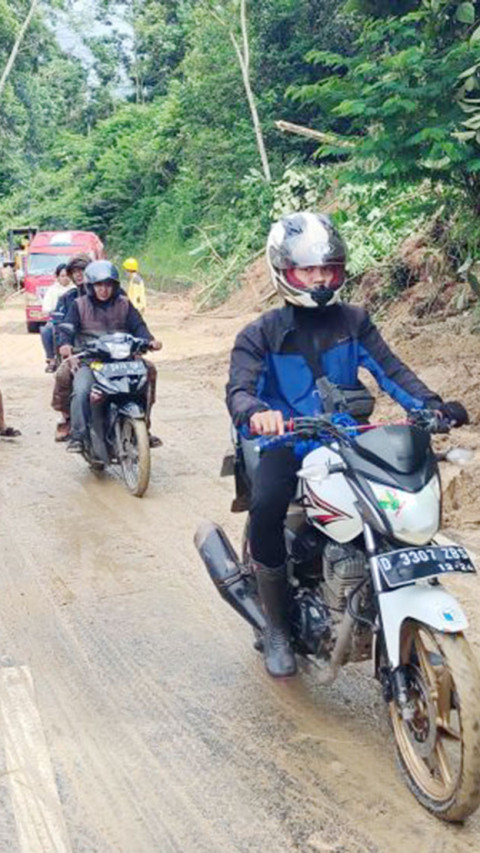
x,y
81,22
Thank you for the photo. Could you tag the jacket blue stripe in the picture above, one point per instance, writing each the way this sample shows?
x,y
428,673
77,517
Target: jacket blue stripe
x,y
268,370
387,384
286,382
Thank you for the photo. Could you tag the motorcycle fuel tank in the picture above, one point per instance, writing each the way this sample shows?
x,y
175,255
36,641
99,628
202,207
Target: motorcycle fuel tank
x,y
329,501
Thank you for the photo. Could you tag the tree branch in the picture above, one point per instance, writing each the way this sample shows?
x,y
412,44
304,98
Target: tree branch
x,y
15,48
326,138
244,59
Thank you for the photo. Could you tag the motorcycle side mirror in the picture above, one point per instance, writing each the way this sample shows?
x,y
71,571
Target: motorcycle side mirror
x,y
459,455
315,471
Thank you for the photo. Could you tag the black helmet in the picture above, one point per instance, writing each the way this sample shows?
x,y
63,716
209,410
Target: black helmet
x,y
99,271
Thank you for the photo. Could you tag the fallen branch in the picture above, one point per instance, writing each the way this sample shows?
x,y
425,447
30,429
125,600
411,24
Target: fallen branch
x,y
326,138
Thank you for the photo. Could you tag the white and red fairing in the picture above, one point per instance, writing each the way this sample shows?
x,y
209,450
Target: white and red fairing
x,y
331,504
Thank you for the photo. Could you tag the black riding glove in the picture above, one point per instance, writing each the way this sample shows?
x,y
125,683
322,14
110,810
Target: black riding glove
x,y
454,412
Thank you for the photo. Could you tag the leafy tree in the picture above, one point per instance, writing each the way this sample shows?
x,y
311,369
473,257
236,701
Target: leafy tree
x,y
383,8
396,97
44,92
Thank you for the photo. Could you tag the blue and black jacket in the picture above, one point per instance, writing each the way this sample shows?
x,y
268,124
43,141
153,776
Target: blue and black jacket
x,y
64,302
268,369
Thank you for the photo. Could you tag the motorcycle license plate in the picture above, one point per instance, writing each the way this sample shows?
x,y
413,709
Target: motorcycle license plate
x,y
410,564
119,368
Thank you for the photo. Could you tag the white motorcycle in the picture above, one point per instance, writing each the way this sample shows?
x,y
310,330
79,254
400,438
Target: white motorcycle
x,y
364,570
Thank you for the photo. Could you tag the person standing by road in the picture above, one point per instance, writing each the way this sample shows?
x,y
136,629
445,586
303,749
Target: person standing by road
x,y
6,431
135,286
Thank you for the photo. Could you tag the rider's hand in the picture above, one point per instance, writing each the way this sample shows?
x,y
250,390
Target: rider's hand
x,y
454,412
267,423
155,345
65,350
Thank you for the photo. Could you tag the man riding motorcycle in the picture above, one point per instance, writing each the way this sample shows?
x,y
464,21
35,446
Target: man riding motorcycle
x,y
282,365
102,310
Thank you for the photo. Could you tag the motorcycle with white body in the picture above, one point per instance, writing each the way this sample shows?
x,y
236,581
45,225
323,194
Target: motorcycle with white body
x,y
364,570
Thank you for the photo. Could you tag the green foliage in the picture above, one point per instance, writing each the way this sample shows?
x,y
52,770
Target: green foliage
x,y
167,167
397,97
382,8
46,92
373,218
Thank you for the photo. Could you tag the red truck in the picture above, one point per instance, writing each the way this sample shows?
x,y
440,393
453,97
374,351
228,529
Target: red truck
x,y
45,252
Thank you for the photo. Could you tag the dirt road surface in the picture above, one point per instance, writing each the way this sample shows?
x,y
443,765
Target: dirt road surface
x,y
135,714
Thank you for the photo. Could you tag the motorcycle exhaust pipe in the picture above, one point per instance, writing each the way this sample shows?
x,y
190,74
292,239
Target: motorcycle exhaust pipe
x,y
224,568
328,674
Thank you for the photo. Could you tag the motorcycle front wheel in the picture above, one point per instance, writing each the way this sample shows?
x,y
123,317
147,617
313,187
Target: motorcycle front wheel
x,y
133,452
438,734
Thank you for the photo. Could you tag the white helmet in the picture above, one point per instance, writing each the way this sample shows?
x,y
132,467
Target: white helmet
x,y
305,240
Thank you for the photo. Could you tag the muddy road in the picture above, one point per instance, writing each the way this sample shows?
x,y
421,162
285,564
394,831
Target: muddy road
x,y
135,714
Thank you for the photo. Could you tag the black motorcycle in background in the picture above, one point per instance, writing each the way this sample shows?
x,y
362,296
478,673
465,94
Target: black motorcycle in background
x,y
117,432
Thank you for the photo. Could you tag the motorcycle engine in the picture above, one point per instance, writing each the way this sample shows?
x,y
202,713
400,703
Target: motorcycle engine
x,y
344,566
311,624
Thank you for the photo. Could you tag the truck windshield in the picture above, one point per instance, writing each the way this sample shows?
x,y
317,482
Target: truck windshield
x,y
43,264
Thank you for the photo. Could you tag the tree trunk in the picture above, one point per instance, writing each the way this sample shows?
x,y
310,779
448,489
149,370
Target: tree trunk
x,y
11,59
244,61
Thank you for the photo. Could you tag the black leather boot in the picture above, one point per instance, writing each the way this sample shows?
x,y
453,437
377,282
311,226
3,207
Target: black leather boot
x,y
273,591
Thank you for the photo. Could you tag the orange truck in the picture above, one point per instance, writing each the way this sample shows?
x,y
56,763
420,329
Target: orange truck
x,y
45,252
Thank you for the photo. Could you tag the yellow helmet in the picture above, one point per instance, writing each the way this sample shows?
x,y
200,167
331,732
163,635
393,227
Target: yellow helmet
x,y
131,265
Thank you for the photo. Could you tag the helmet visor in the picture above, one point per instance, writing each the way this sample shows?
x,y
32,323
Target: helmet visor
x,y
330,277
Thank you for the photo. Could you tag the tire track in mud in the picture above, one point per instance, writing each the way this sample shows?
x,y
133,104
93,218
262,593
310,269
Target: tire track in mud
x,y
164,731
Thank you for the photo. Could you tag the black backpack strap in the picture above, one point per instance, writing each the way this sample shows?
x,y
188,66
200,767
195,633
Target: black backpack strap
x,y
331,395
305,343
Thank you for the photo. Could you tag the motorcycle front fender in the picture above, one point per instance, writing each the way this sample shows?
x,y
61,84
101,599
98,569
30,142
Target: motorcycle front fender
x,y
431,605
131,409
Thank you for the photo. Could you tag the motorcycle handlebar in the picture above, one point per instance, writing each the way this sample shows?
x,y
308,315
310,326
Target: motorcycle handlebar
x,y
338,425
431,420
139,346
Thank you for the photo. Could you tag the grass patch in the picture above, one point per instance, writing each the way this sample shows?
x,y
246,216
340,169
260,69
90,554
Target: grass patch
x,y
166,263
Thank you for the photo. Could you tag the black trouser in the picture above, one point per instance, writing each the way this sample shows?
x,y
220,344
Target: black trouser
x,y
80,403
274,486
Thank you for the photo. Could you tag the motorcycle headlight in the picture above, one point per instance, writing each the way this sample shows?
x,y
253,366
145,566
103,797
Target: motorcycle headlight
x,y
414,517
119,351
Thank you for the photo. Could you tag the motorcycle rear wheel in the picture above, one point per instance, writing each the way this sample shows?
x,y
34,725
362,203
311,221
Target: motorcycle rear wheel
x,y
438,748
134,454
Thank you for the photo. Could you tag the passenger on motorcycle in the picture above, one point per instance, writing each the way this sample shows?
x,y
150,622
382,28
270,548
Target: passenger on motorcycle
x,y
63,377
76,273
102,310
60,287
279,366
